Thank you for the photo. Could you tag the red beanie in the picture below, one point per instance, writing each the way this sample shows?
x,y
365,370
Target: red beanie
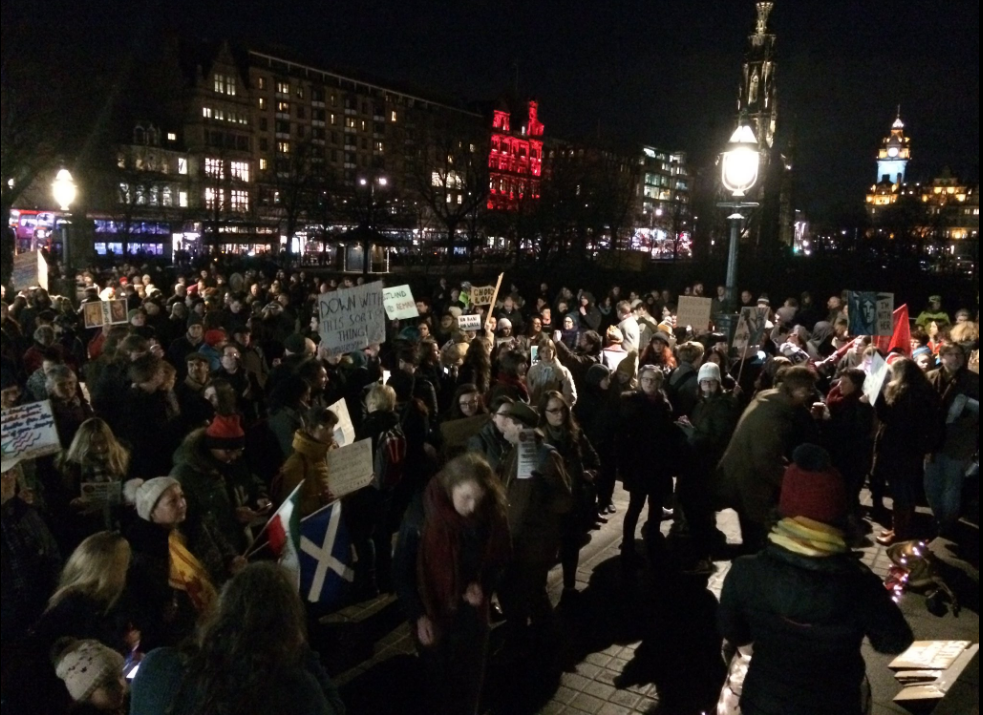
x,y
225,432
215,336
813,488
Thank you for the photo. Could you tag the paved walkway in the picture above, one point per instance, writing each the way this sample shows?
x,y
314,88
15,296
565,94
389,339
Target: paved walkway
x,y
648,648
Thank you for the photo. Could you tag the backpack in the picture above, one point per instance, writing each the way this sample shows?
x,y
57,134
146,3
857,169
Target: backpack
x,y
389,458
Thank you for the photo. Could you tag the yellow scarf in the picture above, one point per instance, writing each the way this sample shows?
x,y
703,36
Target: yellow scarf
x,y
802,535
188,574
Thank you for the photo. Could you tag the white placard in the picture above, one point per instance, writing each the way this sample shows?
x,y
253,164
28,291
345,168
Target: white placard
x,y
876,375
742,334
344,431
105,312
528,450
352,318
350,467
469,322
482,295
694,312
399,303
26,432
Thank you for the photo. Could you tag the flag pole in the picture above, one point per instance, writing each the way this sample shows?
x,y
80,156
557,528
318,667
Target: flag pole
x,y
249,549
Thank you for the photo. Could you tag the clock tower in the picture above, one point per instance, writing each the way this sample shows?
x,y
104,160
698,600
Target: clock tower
x,y
893,156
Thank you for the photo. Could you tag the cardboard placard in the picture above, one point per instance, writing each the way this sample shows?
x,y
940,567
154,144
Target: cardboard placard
x,y
482,295
344,431
456,433
871,313
528,449
742,333
102,493
105,312
350,319
26,432
694,312
469,322
30,270
350,468
399,303
876,375
930,654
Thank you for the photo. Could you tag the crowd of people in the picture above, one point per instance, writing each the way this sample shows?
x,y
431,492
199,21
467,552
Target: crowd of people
x,y
495,453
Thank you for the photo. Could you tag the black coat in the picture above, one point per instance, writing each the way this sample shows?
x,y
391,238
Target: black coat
x,y
649,442
807,618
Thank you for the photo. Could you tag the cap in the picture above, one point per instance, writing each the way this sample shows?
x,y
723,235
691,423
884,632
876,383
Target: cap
x,y
523,413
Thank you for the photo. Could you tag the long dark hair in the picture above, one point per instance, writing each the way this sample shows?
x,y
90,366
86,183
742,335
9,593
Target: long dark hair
x,y
570,423
256,634
479,361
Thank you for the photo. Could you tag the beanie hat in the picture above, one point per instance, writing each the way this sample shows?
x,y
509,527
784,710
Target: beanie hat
x,y
504,323
215,336
614,336
194,319
144,495
225,432
521,412
629,365
921,350
661,335
708,371
812,487
455,310
596,374
295,344
84,665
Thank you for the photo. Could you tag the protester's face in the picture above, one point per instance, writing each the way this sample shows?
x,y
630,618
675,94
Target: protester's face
x,y
522,368
98,446
230,358
198,371
138,320
509,304
321,379
605,382
847,387
556,413
65,388
568,323
746,296
226,456
802,395
537,325
195,332
466,497
709,387
110,695
923,361
952,360
505,331
833,303
547,315
546,354
9,397
501,419
468,403
649,383
424,330
172,507
513,429
8,485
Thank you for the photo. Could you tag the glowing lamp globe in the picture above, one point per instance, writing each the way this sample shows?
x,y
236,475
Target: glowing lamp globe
x,y
63,189
740,161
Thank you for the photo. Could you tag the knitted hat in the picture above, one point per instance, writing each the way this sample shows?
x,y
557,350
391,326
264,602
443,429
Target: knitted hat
x,y
708,371
225,432
935,299
812,487
194,319
295,344
84,665
215,336
596,374
144,495
504,323
661,335
523,413
614,335
629,365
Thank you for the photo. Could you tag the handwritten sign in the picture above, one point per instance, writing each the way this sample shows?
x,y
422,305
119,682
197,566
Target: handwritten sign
x,y
482,295
352,318
26,432
399,303
350,468
105,312
344,431
469,322
528,452
694,312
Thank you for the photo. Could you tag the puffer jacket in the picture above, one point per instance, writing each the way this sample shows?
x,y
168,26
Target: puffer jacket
x,y
309,464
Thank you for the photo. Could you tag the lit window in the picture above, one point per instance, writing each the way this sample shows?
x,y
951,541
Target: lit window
x,y
460,199
182,199
283,87
206,112
283,107
378,146
392,116
239,200
171,137
283,147
450,198
300,93
220,115
263,164
334,119
214,168
182,165
214,198
350,122
240,170
261,83
225,84
125,196
166,197
262,102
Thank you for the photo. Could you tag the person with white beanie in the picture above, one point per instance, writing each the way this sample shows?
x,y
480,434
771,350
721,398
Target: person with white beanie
x,y
92,673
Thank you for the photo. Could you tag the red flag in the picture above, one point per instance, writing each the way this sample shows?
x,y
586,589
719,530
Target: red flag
x,y
901,338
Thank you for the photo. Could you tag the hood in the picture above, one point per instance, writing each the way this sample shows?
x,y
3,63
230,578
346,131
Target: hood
x,y
310,448
193,453
821,331
595,374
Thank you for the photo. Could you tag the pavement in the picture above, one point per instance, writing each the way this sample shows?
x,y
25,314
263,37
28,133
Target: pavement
x,y
626,649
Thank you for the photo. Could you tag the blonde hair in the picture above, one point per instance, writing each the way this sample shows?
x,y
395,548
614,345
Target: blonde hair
x,y
97,569
118,456
381,398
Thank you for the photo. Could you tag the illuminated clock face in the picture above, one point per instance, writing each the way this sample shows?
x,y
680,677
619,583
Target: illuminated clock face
x,y
892,152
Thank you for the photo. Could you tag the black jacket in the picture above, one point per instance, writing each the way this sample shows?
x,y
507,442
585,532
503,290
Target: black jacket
x,y
650,444
807,618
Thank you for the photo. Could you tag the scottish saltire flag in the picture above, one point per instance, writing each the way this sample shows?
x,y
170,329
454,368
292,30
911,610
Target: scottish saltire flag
x,y
325,555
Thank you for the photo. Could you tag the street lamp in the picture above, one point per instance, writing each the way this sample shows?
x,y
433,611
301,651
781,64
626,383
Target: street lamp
x,y
369,225
739,172
64,191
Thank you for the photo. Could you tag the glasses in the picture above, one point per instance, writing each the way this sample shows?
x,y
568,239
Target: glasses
x,y
468,403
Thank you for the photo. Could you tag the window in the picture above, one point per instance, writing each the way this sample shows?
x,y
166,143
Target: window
x,y
206,112
300,131
378,146
239,200
350,122
283,107
214,168
301,113
263,124
225,84
262,103
283,147
166,197
214,198
334,119
392,116
364,125
171,137
182,165
261,83
317,95
283,88
300,93
239,170
264,144
263,164
220,115
125,196
182,199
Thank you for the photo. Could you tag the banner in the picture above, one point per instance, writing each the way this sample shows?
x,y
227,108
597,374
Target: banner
x,y
399,303
105,312
325,556
870,313
694,312
344,431
350,468
26,432
469,322
352,318
482,295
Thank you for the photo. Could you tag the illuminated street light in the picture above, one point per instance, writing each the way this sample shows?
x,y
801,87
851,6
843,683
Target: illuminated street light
x,y
63,189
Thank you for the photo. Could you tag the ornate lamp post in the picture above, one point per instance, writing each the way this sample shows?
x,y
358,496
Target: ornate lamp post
x,y
370,183
739,173
64,191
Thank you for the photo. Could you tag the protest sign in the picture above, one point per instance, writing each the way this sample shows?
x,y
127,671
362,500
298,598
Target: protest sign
x,y
528,450
399,303
27,431
30,269
482,295
102,493
870,313
105,312
456,434
694,312
876,375
350,467
469,322
742,333
352,318
344,431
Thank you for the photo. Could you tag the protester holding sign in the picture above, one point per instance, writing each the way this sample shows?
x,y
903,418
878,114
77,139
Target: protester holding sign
x,y
308,462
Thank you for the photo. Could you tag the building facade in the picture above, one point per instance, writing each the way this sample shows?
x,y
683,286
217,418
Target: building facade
x,y
515,159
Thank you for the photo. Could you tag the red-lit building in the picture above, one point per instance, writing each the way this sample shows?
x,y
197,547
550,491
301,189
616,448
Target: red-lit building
x,y
515,160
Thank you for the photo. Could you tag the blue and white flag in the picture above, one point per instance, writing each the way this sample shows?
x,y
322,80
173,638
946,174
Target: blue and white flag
x,y
325,555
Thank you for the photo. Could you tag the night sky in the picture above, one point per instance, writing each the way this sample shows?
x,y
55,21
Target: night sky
x,y
661,72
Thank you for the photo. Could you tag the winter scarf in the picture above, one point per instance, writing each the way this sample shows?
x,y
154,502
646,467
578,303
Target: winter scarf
x,y
802,535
